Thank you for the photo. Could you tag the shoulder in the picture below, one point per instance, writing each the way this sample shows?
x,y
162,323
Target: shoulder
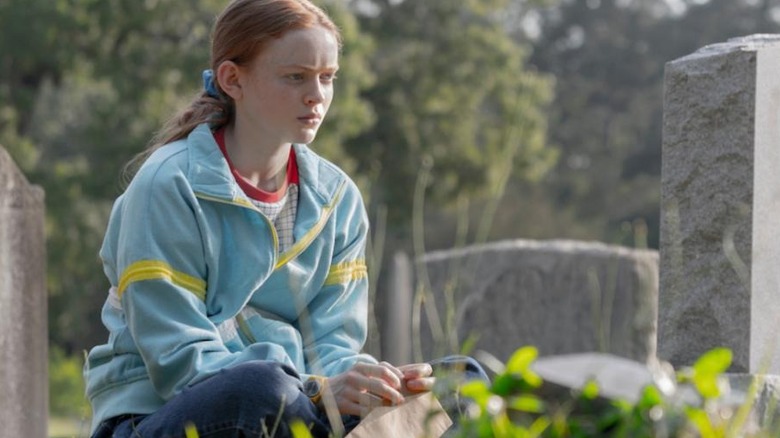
x,y
197,152
328,179
169,158
162,173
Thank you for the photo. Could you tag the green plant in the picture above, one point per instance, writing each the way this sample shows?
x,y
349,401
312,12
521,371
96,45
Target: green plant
x,y
66,385
689,403
298,429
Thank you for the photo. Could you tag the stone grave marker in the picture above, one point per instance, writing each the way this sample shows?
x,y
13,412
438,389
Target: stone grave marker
x,y
720,233
23,319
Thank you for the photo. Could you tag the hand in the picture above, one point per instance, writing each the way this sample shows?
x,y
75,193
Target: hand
x,y
365,387
417,378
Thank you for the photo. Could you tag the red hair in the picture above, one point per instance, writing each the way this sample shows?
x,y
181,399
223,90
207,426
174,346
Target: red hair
x,y
244,28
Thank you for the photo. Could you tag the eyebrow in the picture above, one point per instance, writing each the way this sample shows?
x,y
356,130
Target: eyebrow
x,y
308,67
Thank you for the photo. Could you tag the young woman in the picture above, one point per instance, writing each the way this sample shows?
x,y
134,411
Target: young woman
x,y
236,255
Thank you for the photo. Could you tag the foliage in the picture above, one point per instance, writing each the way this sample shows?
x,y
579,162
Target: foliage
x,y
691,402
607,111
350,113
87,115
453,93
608,58
298,429
66,385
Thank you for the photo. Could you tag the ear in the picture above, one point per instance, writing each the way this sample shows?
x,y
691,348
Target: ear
x,y
228,77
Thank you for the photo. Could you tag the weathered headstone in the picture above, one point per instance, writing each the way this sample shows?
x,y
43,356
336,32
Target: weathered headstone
x,y
23,319
720,233
617,378
559,296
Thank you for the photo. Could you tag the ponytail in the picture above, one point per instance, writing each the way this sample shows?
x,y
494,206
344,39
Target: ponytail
x,y
217,111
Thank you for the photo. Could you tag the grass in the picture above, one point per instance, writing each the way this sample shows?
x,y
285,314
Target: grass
x,y
67,427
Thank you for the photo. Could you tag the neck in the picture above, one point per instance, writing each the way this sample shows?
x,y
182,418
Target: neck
x,y
261,164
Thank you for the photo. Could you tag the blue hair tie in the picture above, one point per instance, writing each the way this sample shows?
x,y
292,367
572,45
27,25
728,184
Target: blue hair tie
x,y
209,85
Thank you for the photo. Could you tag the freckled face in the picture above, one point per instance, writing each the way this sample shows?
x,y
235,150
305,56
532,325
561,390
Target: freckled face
x,y
288,88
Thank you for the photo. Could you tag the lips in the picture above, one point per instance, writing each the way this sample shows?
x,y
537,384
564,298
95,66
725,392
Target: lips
x,y
310,119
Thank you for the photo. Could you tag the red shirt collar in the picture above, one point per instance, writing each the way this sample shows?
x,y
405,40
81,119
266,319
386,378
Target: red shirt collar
x,y
248,188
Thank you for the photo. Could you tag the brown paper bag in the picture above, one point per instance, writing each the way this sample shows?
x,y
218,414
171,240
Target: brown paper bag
x,y
421,416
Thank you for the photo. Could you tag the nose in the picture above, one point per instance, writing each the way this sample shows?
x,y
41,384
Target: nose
x,y
315,93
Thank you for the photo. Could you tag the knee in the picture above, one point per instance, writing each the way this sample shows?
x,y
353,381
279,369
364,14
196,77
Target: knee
x,y
268,382
269,392
253,395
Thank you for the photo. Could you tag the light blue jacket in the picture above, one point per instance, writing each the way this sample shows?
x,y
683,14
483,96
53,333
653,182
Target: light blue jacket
x,y
197,283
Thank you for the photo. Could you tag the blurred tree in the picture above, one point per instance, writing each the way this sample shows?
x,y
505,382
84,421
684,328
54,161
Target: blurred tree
x,y
606,117
34,47
453,96
608,57
715,21
129,64
350,114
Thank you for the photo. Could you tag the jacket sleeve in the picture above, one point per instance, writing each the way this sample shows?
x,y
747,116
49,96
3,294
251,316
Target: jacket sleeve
x,y
161,272
338,314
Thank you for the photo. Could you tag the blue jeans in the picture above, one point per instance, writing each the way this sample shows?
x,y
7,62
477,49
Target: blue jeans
x,y
255,399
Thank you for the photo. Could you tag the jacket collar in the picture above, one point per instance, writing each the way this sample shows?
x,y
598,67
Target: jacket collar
x,y
209,172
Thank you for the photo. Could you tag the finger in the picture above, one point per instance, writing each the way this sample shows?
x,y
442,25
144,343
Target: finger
x,y
379,388
415,370
386,373
421,384
393,369
352,402
360,382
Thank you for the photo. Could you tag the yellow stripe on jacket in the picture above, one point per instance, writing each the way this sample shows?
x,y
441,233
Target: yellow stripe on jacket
x,y
346,272
157,270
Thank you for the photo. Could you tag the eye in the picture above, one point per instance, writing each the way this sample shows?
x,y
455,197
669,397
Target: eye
x,y
328,77
295,76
